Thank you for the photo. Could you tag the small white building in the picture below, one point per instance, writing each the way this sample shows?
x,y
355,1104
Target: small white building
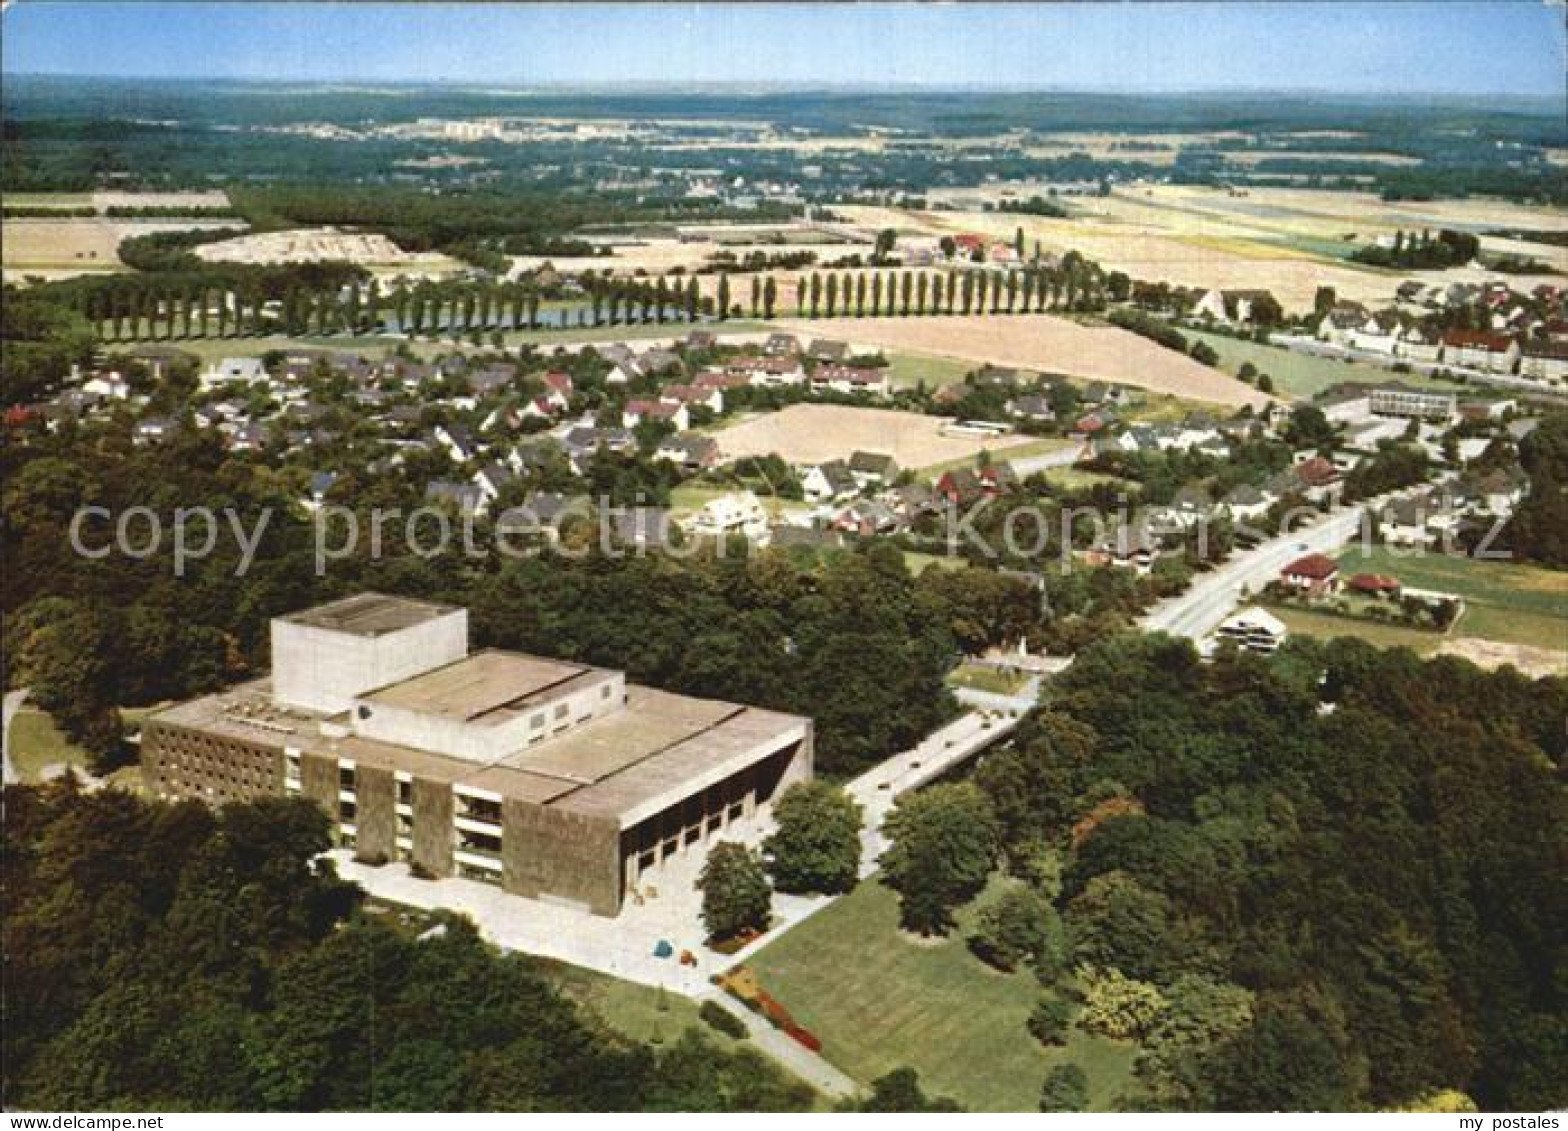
x,y
233,371
739,512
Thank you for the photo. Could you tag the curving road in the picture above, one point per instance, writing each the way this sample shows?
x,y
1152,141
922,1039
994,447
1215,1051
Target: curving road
x,y
8,708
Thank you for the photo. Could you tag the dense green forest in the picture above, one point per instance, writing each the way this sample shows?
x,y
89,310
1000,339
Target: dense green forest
x,y
163,956
852,640
1328,880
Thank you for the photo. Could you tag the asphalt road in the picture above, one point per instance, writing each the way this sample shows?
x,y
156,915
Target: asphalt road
x,y
8,708
1212,596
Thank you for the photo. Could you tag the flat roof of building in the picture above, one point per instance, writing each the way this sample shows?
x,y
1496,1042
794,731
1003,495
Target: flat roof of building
x,y
624,766
486,687
370,614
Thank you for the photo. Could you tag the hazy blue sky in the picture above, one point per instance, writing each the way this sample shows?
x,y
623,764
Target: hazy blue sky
x,y
1488,48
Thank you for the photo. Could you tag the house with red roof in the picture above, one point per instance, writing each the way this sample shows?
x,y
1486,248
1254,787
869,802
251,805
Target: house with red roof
x,y
1316,575
1481,349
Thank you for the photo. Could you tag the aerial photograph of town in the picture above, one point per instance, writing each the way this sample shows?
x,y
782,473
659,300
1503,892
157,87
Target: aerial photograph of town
x,y
784,558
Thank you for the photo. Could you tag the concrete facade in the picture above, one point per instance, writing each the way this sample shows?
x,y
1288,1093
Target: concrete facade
x,y
553,780
323,658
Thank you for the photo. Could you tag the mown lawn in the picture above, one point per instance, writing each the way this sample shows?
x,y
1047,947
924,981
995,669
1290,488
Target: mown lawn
x,y
1508,602
640,1012
981,677
880,1000
1302,375
1300,622
910,369
35,743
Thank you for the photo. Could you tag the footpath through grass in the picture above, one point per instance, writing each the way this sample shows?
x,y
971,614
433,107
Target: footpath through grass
x,y
881,999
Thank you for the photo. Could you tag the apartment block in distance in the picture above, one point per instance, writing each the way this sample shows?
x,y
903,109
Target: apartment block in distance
x,y
554,780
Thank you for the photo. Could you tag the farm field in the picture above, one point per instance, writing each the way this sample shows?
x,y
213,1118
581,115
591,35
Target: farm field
x,y
77,245
1303,376
811,433
1042,342
880,1000
1287,240
315,245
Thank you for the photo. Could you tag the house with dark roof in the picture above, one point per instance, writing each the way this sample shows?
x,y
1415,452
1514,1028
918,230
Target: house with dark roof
x,y
873,468
827,481
690,451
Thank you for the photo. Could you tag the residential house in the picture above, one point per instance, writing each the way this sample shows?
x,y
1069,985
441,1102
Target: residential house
x,y
1544,361
1246,503
247,437
665,412
1406,522
1031,407
781,345
910,501
825,482
108,384
865,518
465,498
1379,585
643,528
161,360
233,370
1318,479
155,429
491,479
1481,349
1316,575
737,513
317,488
456,441
694,396
583,440
1421,343
873,469
1231,306
1131,545
690,451
768,372
853,379
490,379
1341,322
824,350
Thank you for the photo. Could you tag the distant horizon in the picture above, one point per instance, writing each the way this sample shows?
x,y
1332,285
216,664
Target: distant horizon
x,y
1404,49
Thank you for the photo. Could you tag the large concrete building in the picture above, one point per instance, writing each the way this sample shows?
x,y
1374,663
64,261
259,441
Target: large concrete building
x,y
552,779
